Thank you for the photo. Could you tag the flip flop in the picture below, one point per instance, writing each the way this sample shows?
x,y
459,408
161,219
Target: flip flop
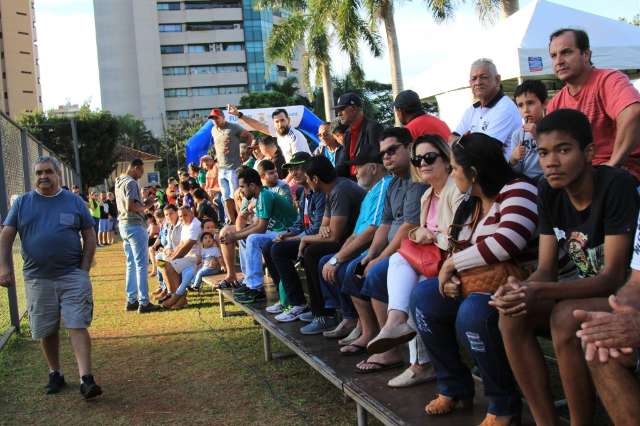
x,y
379,367
359,350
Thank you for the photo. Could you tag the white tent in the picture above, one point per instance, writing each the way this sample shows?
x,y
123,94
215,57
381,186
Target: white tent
x,y
519,47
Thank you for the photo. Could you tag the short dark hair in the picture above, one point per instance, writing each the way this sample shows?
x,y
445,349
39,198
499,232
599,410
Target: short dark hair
x,y
249,176
535,87
321,167
171,207
280,111
581,37
268,140
136,162
205,220
401,134
339,128
204,234
185,185
265,165
569,121
200,194
194,167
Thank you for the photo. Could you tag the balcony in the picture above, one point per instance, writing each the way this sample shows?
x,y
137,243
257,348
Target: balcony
x,y
195,37
201,102
209,58
200,15
199,80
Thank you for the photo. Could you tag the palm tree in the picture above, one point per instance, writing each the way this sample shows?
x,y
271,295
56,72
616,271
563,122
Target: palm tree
x,y
489,9
313,24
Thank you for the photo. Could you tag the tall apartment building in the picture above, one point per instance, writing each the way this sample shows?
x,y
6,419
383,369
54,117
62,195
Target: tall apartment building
x,y
167,60
20,83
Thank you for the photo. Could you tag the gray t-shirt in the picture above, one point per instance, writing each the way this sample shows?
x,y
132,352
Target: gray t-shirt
x,y
402,203
230,132
49,229
127,187
530,163
344,200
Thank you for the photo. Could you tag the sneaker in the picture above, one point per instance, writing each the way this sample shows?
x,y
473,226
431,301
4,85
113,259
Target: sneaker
x,y
149,307
240,289
306,317
56,383
88,387
251,296
132,306
291,314
276,308
319,325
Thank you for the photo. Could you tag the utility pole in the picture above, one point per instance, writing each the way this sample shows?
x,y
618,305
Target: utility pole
x,y
76,150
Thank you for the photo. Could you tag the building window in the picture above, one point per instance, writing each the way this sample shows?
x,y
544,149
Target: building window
x,y
23,33
214,69
178,115
167,49
231,47
168,6
200,113
221,90
24,72
210,4
198,48
28,91
210,26
22,52
170,28
174,70
174,93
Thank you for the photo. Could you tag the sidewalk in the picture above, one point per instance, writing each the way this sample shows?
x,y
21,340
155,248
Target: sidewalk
x,y
169,367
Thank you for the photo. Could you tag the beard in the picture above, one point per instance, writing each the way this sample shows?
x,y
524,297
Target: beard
x,y
283,130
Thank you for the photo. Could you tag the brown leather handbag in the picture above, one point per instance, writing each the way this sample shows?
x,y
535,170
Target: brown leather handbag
x,y
488,278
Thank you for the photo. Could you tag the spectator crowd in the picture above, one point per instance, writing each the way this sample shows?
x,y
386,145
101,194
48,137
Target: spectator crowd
x,y
521,222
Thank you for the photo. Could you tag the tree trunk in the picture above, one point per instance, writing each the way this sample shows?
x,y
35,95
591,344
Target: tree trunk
x,y
327,92
509,7
386,13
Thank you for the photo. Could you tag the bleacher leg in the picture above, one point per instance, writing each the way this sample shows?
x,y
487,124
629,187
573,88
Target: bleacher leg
x,y
362,415
266,341
221,302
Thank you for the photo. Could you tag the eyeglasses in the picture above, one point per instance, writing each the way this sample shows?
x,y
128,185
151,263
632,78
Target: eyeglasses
x,y
391,150
429,158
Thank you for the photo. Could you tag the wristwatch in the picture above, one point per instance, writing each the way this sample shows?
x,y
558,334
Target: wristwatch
x,y
334,261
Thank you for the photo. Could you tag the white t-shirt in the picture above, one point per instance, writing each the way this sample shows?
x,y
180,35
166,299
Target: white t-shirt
x,y
210,252
292,142
192,232
635,260
499,119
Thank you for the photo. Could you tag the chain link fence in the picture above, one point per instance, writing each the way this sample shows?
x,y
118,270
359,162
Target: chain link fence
x,y
18,152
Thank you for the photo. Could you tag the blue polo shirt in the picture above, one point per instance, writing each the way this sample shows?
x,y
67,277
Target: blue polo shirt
x,y
372,206
49,229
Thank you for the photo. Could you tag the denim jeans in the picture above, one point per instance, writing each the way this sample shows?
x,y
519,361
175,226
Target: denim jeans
x,y
253,272
332,293
311,259
135,241
185,279
375,283
204,272
439,320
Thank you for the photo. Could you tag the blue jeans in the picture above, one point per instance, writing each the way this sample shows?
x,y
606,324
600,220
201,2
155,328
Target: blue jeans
x,y
375,283
253,272
203,272
352,284
185,279
135,241
439,320
333,296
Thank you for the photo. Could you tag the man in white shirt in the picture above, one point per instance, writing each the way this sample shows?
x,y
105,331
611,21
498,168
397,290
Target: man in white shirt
x,y
290,140
494,113
183,256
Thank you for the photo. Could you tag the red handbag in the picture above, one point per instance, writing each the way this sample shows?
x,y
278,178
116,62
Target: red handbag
x,y
424,258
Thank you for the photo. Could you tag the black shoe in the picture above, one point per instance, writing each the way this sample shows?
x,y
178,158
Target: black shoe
x,y
132,306
56,383
88,388
251,296
240,290
149,307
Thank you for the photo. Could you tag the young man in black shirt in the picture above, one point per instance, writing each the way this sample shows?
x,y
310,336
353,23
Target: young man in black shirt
x,y
587,216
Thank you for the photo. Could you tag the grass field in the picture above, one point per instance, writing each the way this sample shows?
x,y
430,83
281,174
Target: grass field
x,y
169,367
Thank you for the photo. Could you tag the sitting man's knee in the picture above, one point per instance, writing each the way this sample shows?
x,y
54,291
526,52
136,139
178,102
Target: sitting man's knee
x,y
562,322
514,326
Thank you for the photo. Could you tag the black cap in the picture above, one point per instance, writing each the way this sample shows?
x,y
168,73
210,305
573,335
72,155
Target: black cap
x,y
348,99
408,100
297,159
366,156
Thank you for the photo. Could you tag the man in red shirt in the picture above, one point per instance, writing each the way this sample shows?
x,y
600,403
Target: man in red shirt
x,y
605,96
362,133
411,114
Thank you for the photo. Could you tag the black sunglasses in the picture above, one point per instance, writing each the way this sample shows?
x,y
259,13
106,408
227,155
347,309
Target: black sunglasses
x,y
391,150
429,158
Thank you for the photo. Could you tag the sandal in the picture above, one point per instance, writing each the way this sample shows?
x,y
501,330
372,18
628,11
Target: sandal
x,y
445,405
224,284
358,350
379,367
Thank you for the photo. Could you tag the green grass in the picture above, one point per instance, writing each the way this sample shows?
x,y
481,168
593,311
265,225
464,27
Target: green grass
x,y
5,320
169,367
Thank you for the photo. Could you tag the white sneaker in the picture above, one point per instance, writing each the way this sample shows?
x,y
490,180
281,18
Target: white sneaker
x,y
276,308
291,314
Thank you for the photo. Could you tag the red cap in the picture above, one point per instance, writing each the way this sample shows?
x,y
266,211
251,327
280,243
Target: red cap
x,y
216,112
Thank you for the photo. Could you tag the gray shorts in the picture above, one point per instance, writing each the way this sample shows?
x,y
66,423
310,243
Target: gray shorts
x,y
69,296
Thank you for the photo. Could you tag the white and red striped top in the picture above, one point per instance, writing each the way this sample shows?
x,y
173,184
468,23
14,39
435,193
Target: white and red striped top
x,y
504,232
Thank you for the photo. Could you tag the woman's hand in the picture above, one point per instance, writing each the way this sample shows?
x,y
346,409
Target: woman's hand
x,y
422,235
447,271
452,287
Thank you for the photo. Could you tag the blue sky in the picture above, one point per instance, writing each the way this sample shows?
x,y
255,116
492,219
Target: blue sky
x,y
69,65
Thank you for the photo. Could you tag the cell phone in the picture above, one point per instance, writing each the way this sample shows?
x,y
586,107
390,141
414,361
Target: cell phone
x,y
359,271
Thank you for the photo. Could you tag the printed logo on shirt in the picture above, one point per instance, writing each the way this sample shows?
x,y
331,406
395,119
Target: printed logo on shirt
x,y
636,244
560,235
589,261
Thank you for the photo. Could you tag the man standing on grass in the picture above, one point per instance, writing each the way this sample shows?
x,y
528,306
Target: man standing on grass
x,y
50,222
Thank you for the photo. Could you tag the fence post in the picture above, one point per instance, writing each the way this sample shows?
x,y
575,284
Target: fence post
x,y
4,202
26,167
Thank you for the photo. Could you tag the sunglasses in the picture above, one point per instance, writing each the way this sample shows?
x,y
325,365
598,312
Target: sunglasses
x,y
429,158
391,150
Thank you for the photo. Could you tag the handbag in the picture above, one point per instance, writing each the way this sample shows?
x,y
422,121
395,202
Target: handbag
x,y
488,278
423,258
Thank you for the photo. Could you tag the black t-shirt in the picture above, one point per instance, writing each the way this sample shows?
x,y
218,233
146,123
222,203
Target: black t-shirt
x,y
580,234
344,200
206,210
113,210
104,210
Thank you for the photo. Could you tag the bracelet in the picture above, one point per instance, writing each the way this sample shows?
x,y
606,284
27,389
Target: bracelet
x,y
240,115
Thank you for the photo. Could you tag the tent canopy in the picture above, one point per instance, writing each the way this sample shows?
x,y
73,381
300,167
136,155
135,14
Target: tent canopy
x,y
519,47
301,118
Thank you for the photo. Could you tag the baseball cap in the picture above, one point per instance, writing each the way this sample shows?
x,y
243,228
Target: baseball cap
x,y
408,100
297,159
366,156
348,99
216,112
